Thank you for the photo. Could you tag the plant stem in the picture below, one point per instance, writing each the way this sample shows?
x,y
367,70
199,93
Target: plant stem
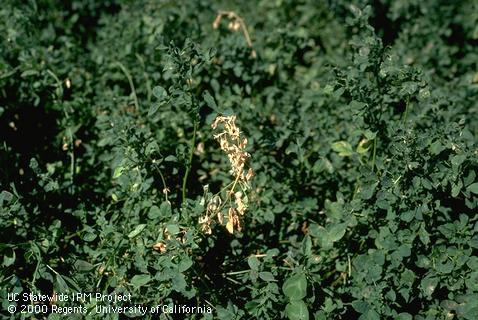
x,y
405,114
72,158
131,84
78,233
35,273
188,165
146,78
165,188
374,153
235,272
234,185
68,130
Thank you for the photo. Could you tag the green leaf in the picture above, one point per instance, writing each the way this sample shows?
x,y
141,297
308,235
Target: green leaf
x,y
185,264
159,92
423,235
172,228
165,209
154,108
458,159
297,310
62,286
251,306
456,188
137,230
266,276
89,236
404,316
445,267
343,148
253,263
315,230
436,147
334,210
337,231
118,172
404,250
474,242
370,315
151,148
328,89
370,135
363,146
295,288
154,212
5,196
210,101
322,234
473,188
323,164
28,73
307,245
361,306
429,285
8,260
320,315
83,266
170,158
140,280
469,178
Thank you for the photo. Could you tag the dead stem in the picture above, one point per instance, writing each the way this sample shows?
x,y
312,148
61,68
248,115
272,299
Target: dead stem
x,y
236,23
235,202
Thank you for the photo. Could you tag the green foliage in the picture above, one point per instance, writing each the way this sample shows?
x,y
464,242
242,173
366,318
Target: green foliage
x,y
362,125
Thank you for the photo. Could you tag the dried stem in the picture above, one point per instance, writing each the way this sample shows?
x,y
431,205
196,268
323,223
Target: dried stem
x,y
236,23
234,144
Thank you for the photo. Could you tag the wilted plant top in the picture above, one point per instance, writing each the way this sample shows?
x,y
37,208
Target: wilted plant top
x,y
239,160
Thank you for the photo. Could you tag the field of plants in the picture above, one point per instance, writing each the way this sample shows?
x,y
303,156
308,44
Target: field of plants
x,y
269,159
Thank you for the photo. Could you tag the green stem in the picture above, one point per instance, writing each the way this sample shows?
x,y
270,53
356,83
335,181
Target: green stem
x,y
9,73
374,153
405,114
111,257
239,283
188,166
234,185
35,273
131,84
72,159
68,130
78,233
164,182
236,272
146,77
356,188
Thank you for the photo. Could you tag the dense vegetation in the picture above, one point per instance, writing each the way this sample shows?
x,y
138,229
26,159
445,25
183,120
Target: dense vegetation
x,y
361,119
